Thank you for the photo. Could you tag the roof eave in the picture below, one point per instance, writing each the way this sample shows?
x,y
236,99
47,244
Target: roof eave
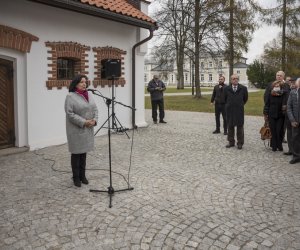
x,y
98,12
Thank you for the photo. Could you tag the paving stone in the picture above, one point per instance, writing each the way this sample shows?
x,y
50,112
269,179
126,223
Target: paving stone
x,y
190,192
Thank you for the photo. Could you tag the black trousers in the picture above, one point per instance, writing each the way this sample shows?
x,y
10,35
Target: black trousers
x,y
78,163
296,142
220,109
160,105
239,135
276,126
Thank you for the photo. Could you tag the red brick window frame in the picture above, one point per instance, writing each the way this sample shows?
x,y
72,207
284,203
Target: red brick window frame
x,y
102,53
66,50
16,39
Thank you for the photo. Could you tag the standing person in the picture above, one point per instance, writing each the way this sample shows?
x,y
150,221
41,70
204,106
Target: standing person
x,y
81,117
279,77
156,88
218,98
236,96
274,112
293,111
287,123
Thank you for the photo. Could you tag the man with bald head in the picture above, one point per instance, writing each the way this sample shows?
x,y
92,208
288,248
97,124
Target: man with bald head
x,y
236,96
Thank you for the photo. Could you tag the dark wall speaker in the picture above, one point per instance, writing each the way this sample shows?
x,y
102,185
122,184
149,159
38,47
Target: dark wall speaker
x,y
111,68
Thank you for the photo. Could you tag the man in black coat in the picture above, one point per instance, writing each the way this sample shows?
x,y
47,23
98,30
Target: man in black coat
x,y
236,96
156,88
218,98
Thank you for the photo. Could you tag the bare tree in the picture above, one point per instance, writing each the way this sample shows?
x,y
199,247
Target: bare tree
x,y
287,16
206,34
174,20
272,56
238,28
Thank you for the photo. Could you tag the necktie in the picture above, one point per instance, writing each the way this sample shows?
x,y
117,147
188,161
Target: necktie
x,y
234,88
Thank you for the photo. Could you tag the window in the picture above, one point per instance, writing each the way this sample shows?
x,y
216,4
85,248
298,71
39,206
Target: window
x,y
210,64
202,65
186,77
65,69
145,77
202,77
66,60
210,77
220,64
238,72
172,78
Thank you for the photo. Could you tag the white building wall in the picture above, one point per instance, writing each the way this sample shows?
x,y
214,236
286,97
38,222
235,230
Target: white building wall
x,y
45,108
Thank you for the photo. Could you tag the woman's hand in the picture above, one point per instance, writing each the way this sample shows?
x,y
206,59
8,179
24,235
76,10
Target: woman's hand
x,y
90,123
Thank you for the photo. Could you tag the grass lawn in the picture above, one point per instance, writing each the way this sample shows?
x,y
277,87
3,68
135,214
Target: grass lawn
x,y
173,89
254,105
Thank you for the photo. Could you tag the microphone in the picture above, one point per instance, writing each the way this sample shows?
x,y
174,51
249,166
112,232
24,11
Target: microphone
x,y
92,90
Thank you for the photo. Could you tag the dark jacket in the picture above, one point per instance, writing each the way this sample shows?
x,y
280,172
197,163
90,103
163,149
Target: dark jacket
x,y
234,105
274,105
156,94
218,95
293,106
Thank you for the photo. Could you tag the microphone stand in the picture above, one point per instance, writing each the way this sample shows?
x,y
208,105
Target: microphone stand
x,y
114,119
110,190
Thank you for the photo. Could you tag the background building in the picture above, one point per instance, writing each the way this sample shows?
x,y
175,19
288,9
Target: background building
x,y
210,70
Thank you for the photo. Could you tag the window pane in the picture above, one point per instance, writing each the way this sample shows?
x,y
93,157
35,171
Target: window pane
x,y
65,68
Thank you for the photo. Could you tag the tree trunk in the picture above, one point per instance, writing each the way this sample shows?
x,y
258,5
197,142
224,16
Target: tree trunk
x,y
197,50
180,62
231,39
283,49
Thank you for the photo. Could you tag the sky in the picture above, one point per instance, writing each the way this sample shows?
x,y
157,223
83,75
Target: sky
x,y
264,34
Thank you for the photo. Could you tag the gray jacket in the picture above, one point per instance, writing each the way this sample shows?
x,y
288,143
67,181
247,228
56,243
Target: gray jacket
x,y
78,110
293,106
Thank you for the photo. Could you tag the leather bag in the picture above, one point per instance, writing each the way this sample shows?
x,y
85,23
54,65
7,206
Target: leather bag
x,y
265,132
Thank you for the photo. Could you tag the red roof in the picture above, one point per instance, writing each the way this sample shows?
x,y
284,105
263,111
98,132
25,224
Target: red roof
x,y
120,7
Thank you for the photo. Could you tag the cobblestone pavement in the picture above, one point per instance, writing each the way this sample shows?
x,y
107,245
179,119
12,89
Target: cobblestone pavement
x,y
190,192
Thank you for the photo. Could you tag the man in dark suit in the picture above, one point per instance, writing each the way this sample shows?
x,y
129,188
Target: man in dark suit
x,y
236,96
218,99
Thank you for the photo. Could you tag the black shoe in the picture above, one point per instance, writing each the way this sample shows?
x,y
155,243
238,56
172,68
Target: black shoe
x,y
155,122
162,121
225,132
216,132
274,149
84,181
288,153
294,160
77,182
229,145
239,146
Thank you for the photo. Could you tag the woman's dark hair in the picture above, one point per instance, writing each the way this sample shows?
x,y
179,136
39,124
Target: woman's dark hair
x,y
75,81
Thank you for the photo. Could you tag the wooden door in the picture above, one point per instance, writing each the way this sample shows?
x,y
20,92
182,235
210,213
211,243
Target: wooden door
x,y
7,128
